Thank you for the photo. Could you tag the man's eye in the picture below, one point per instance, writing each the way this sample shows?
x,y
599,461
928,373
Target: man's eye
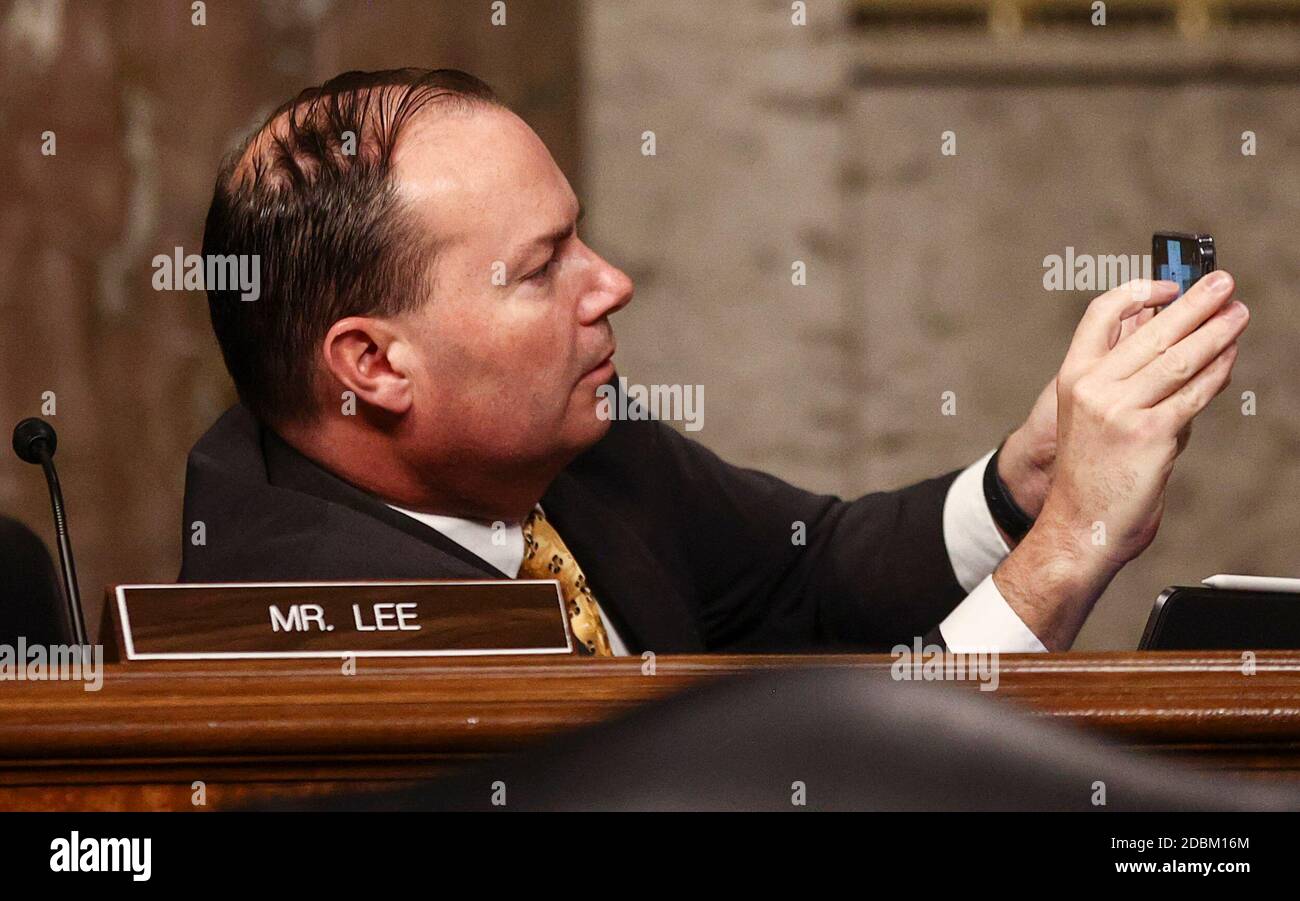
x,y
539,274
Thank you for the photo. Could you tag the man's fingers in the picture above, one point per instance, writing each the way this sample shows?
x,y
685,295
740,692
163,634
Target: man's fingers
x,y
1127,326
1182,318
1099,329
1184,404
1135,322
1143,317
1175,367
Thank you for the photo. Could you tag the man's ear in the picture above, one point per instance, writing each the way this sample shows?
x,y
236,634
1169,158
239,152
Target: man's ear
x,y
370,358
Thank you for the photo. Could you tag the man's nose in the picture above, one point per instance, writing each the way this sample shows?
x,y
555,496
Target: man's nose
x,y
612,291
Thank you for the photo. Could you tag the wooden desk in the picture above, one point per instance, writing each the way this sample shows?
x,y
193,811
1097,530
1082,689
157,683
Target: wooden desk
x,y
255,729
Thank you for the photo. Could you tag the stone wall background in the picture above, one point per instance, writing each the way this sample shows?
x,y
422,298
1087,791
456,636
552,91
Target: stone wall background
x,y
822,144
775,143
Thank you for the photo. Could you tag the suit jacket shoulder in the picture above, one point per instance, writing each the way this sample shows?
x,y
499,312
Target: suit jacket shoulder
x,y
269,514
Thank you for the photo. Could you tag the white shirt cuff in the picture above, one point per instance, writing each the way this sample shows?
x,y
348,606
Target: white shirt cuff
x,y
984,621
975,546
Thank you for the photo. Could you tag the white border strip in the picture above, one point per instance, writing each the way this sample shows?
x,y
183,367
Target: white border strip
x,y
131,654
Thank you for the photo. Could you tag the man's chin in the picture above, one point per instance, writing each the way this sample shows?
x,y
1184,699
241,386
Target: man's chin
x,y
589,428
597,427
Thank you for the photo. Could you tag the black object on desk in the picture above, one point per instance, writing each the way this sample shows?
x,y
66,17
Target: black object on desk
x,y
1200,618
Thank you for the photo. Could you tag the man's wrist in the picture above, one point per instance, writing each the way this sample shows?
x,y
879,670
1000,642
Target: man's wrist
x,y
1026,478
1010,518
1052,580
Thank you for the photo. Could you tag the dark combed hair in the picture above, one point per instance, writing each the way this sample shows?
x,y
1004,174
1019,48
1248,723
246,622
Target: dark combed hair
x,y
311,194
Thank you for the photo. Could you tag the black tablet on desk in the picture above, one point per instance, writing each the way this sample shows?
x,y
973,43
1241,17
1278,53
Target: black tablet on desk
x,y
1200,618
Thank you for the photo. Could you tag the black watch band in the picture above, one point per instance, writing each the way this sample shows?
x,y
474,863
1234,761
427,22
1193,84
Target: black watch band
x,y
1006,512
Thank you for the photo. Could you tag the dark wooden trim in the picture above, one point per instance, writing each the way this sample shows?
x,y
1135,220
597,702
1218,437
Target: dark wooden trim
x,y
250,729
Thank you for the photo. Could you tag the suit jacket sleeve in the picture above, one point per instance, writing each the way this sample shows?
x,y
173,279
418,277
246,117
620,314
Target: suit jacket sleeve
x,y
778,567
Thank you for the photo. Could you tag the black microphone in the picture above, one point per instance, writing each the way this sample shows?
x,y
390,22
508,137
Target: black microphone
x,y
35,441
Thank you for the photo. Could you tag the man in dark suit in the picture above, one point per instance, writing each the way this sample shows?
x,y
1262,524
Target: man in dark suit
x,y
419,399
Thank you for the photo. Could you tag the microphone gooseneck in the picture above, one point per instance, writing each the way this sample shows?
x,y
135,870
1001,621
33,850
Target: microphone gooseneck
x,y
35,442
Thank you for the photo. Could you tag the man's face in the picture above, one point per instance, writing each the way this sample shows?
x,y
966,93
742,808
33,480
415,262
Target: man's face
x,y
516,338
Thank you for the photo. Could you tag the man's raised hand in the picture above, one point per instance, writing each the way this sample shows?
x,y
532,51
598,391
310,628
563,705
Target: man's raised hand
x,y
1124,408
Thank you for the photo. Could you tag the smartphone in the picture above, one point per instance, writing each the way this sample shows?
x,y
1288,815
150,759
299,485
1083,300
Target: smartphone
x,y
1181,258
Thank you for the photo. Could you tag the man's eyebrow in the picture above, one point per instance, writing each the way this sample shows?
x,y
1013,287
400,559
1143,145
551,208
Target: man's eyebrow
x,y
559,234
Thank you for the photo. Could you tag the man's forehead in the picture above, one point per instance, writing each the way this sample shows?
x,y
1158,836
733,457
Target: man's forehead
x,y
485,173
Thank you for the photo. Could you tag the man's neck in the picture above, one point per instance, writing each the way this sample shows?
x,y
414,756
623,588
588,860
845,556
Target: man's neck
x,y
457,486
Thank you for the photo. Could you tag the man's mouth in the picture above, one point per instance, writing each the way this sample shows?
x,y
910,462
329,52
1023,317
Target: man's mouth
x,y
606,362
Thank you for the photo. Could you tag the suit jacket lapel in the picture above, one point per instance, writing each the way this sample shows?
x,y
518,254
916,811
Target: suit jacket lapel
x,y
629,583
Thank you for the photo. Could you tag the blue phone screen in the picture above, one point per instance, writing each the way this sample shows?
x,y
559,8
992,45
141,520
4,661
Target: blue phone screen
x,y
1175,270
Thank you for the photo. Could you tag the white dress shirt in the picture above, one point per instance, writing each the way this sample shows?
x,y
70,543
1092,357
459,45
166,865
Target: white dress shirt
x,y
983,621
502,546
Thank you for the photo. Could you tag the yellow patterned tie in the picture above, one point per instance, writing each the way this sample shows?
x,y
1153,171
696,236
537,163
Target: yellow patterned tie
x,y
546,557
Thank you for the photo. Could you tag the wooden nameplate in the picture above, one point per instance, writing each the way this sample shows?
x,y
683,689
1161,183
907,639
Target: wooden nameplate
x,y
251,620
